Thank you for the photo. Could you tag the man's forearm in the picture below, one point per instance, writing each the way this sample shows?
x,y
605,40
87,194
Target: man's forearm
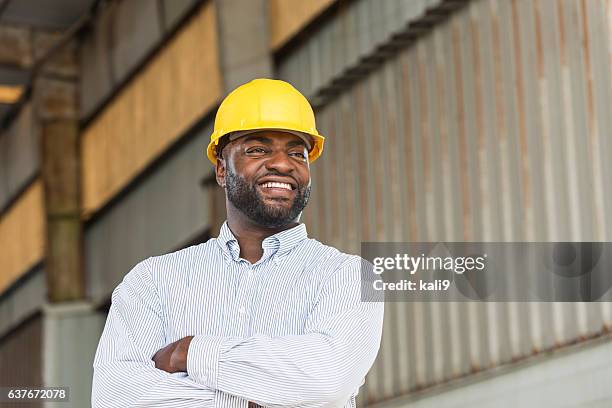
x,y
313,369
173,358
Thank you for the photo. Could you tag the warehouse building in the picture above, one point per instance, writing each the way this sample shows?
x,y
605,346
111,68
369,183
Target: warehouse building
x,y
446,120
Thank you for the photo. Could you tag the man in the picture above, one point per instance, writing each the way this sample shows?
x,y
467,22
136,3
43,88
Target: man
x,y
260,315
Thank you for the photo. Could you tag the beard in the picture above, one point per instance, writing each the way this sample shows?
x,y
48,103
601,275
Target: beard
x,y
247,199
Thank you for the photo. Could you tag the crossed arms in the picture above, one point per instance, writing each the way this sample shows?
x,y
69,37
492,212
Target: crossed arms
x,y
322,367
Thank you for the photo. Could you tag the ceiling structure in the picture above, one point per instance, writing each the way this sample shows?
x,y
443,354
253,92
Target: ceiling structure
x,y
15,15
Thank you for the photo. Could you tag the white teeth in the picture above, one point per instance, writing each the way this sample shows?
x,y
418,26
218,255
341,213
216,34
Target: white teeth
x,y
272,184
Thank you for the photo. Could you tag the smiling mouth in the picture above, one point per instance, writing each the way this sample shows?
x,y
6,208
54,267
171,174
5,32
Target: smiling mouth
x,y
277,185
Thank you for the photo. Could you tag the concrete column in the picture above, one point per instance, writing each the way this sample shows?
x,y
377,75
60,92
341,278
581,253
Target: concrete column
x,y
71,327
56,112
70,336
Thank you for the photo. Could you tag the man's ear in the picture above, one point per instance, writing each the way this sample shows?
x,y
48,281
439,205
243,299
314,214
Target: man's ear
x,y
220,171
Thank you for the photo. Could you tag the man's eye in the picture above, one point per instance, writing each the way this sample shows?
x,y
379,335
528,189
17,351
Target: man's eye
x,y
301,155
256,150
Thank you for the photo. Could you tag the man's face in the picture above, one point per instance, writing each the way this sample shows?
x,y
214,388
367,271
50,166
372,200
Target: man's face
x,y
267,177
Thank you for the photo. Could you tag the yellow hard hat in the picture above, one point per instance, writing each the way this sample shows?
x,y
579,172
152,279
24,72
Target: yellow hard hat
x,y
265,104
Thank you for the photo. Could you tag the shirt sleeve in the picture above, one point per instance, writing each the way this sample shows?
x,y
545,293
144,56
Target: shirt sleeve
x,y
322,367
124,372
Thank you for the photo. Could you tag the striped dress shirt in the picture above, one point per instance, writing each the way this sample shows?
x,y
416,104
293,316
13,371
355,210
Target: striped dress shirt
x,y
290,330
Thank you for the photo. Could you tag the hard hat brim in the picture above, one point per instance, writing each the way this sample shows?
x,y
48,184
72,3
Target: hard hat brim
x,y
314,142
304,136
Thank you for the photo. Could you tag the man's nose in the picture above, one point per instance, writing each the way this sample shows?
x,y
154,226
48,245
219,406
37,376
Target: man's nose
x,y
280,161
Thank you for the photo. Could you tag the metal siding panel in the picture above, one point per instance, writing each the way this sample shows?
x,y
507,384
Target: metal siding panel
x,y
21,356
378,144
174,11
30,296
388,85
4,190
331,179
341,175
327,55
58,15
304,64
514,191
471,102
414,136
370,147
404,371
314,64
351,34
397,11
346,175
384,207
376,23
536,224
323,208
553,58
23,301
602,66
333,175
593,138
411,9
473,155
22,152
119,245
410,223
363,146
402,151
338,44
363,24
580,103
548,211
138,29
491,228
96,80
99,260
571,116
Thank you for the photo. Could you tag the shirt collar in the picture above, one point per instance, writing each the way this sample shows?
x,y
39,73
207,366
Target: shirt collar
x,y
277,244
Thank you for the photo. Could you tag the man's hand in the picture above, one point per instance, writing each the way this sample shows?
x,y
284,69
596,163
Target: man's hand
x,y
173,357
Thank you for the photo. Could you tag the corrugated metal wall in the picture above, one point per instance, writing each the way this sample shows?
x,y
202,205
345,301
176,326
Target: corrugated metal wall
x,y
23,301
19,156
354,40
21,359
492,126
